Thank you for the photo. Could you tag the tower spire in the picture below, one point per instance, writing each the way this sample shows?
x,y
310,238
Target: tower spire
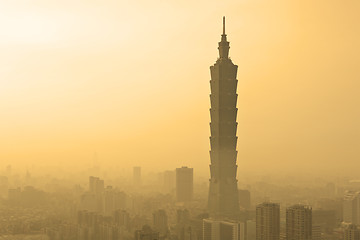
x,y
224,25
224,44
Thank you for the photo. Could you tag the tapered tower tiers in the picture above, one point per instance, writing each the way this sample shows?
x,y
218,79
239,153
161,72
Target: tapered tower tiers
x,y
223,193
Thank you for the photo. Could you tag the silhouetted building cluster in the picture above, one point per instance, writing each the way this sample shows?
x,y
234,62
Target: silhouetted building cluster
x,y
102,200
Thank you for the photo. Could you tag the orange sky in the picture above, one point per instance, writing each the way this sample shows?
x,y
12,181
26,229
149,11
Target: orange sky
x,y
130,80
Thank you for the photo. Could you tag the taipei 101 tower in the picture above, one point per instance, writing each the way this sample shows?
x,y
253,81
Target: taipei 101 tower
x,y
223,200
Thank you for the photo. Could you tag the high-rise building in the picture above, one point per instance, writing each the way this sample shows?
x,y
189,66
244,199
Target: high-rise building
x,y
250,231
351,232
93,199
182,216
184,184
4,185
137,176
122,218
90,202
160,222
316,232
299,222
223,192
184,229
188,233
351,207
113,200
214,229
268,221
96,185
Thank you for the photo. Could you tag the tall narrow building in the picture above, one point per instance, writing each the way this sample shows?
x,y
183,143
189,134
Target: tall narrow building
x,y
223,193
299,222
268,221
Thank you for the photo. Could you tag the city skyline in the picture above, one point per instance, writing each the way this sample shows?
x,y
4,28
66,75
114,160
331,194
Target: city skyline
x,y
103,120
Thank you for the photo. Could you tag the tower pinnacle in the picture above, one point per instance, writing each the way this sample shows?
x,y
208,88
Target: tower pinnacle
x,y
224,44
224,25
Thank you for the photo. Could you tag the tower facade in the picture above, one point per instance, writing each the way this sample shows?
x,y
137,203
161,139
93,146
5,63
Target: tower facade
x,y
223,193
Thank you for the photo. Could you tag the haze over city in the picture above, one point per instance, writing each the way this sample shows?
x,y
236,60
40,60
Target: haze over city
x,y
129,80
179,120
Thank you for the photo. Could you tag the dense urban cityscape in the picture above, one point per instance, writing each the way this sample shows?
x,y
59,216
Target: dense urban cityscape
x,y
173,205
177,204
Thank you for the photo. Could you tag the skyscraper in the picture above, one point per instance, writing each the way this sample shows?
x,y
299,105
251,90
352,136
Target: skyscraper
x,y
223,193
268,221
184,184
299,222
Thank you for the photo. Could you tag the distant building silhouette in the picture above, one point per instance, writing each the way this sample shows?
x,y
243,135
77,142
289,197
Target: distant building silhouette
x,y
223,192
102,200
113,200
299,222
137,176
268,221
244,199
351,207
4,185
185,230
182,216
96,185
122,218
169,181
184,184
14,195
160,222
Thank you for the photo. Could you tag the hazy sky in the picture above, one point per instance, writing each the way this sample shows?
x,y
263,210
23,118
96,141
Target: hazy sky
x,y
130,81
